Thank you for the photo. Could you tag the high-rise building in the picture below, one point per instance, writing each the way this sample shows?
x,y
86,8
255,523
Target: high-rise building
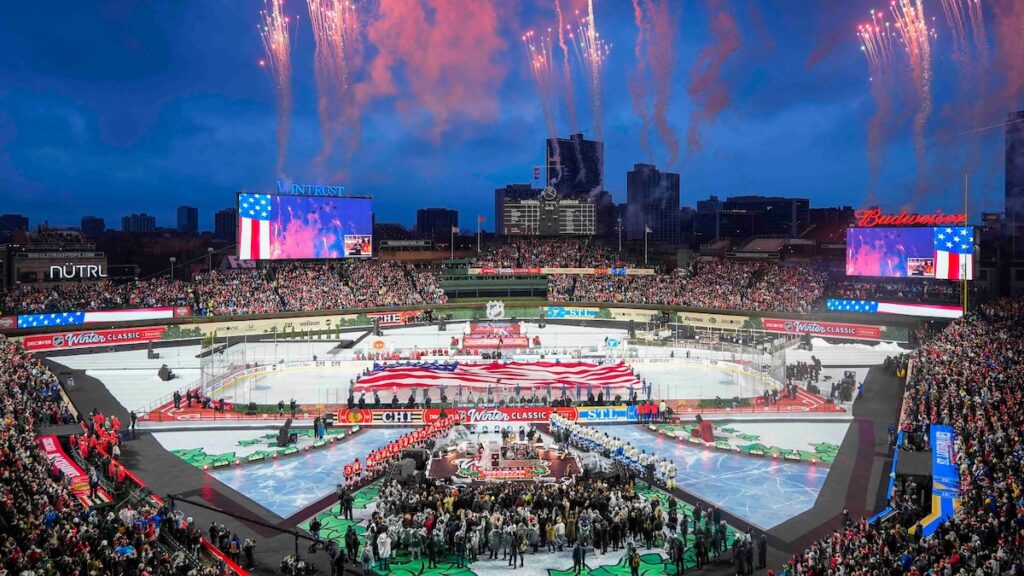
x,y
745,216
188,219
652,202
436,223
1014,148
575,166
138,223
225,225
13,223
92,226
512,192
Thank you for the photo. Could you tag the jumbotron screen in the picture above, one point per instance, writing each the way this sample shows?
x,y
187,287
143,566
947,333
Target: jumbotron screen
x,y
281,227
944,253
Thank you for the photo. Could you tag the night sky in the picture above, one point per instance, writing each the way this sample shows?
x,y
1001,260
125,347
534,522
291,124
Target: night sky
x,y
113,107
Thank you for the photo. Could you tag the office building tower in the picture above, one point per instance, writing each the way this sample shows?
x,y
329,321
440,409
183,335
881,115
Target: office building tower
x,y
188,219
225,225
652,203
575,166
138,223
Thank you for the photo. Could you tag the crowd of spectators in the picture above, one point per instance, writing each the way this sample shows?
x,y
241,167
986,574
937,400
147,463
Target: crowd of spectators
x,y
28,299
309,287
44,526
243,291
551,253
910,289
967,377
706,284
377,283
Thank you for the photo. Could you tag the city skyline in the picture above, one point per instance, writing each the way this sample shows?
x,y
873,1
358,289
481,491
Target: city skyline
x,y
169,106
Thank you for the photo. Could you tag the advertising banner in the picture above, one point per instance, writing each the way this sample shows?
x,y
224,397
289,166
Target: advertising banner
x,y
68,340
477,342
495,329
500,416
945,476
635,314
77,478
397,318
711,320
823,329
570,312
606,413
8,322
492,271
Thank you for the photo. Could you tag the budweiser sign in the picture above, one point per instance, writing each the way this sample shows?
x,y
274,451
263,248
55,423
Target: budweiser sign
x,y
823,329
874,217
66,340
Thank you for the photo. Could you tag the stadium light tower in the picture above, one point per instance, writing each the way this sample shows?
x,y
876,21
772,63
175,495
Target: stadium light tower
x,y
618,227
173,260
209,258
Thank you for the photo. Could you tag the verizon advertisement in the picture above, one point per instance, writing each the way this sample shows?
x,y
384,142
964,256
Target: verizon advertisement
x,y
823,329
69,340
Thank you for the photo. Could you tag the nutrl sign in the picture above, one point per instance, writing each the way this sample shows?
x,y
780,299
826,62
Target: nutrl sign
x,y
310,189
72,271
874,217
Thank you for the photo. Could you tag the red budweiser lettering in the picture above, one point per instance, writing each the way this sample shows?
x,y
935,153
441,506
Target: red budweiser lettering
x,y
875,217
824,329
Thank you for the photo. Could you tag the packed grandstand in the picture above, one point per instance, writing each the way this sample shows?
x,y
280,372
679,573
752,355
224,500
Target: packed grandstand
x,y
331,285
965,375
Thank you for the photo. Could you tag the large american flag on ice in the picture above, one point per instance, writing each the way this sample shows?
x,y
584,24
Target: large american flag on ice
x,y
254,215
527,375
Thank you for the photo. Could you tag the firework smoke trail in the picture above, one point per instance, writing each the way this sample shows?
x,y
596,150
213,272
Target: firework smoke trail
x,y
661,53
570,97
955,16
539,58
1009,22
336,36
876,45
276,43
593,52
707,89
655,60
639,79
977,19
916,36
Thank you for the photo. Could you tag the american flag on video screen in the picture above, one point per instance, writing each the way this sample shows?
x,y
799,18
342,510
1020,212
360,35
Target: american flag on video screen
x,y
254,214
954,250
480,376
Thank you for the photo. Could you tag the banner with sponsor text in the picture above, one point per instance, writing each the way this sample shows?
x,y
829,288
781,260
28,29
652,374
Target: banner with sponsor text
x,y
823,329
78,480
85,339
491,416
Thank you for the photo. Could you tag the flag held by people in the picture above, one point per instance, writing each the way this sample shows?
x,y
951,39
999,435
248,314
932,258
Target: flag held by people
x,y
954,253
254,214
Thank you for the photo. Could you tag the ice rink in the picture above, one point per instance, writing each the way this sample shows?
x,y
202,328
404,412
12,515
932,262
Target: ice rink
x,y
132,377
763,491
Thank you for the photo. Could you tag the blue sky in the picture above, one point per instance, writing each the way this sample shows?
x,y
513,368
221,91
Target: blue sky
x,y
108,108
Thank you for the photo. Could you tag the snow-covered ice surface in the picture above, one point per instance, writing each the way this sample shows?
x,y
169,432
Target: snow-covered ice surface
x,y
851,354
224,441
763,491
287,485
791,435
681,380
132,377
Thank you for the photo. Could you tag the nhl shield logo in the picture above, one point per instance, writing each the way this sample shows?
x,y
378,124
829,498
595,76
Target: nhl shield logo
x,y
495,310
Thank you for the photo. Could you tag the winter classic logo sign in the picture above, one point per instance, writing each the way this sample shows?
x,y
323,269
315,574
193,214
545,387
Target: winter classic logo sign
x,y
823,329
68,340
